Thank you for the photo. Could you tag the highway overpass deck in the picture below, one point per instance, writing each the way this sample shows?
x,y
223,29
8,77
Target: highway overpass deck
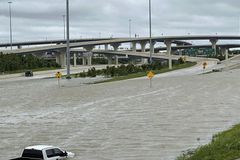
x,y
29,43
173,39
154,56
74,45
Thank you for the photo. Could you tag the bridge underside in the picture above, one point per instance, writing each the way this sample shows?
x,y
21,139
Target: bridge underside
x,y
170,50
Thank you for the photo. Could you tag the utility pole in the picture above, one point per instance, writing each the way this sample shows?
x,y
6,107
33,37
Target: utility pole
x,y
64,26
68,48
99,39
10,17
130,28
150,30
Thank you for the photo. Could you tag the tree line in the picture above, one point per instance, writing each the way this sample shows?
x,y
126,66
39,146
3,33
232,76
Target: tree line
x,y
14,62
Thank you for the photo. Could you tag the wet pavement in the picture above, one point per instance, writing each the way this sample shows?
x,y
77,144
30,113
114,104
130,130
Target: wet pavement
x,y
123,120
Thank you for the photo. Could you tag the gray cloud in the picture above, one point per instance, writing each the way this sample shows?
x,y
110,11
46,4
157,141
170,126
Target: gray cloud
x,y
38,20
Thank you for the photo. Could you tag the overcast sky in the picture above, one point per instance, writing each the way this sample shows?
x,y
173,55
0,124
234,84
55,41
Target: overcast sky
x,y
42,19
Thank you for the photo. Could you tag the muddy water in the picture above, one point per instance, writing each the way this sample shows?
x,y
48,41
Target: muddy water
x,y
123,120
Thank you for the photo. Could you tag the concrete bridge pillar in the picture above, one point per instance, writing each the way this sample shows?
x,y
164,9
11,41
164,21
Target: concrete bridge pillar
x,y
116,60
143,46
19,47
144,60
74,60
115,46
58,59
89,60
152,46
109,58
106,47
225,52
134,46
88,48
133,61
61,59
214,45
168,43
84,61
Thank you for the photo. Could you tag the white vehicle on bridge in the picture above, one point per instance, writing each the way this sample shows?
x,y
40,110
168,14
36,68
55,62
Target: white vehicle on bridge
x,y
42,152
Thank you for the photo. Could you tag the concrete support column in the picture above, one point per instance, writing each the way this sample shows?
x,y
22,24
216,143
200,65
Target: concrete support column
x,y
180,52
58,59
143,46
152,46
19,47
133,61
168,43
109,58
89,59
115,46
106,47
61,59
84,61
116,60
134,46
88,48
225,52
214,45
144,60
74,60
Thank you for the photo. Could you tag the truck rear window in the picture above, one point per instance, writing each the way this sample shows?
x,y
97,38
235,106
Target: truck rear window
x,y
32,153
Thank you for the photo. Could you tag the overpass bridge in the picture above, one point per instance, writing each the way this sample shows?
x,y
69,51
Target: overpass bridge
x,y
115,43
155,56
19,45
230,46
48,42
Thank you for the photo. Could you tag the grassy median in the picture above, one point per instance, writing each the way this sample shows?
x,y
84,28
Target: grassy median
x,y
142,74
224,146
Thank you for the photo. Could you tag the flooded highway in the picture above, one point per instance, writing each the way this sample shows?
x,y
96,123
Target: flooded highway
x,y
123,120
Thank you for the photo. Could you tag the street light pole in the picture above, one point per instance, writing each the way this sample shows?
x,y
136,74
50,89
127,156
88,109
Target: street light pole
x,y
130,28
64,26
68,48
99,47
150,30
10,17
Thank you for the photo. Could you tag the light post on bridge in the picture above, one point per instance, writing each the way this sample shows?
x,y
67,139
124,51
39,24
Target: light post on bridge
x,y
150,30
10,18
100,36
130,28
64,26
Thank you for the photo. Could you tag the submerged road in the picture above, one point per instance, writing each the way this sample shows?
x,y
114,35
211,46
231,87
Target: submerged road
x,y
123,120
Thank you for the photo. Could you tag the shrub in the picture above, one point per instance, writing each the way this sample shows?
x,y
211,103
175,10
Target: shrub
x,y
92,72
83,74
181,60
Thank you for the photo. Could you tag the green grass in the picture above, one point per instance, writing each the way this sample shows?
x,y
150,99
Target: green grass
x,y
142,74
224,146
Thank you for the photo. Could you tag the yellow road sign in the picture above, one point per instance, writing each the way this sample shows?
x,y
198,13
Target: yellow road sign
x,y
59,75
150,75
